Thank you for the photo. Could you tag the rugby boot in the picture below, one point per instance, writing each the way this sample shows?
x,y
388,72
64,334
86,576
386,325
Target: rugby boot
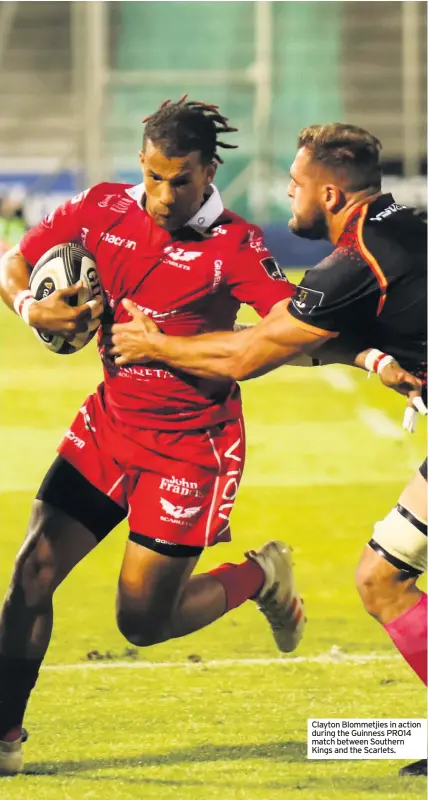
x,y
278,599
11,758
416,768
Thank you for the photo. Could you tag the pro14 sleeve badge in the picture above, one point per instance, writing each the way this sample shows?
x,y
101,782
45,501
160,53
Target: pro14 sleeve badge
x,y
273,269
305,300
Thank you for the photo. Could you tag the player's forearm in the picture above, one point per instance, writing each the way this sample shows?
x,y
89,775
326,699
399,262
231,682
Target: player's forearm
x,y
234,356
14,276
210,355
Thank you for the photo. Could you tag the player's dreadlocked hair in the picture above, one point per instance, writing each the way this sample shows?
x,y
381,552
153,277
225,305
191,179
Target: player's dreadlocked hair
x,y
187,125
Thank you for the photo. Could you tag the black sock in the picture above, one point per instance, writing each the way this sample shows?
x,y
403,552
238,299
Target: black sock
x,y
17,678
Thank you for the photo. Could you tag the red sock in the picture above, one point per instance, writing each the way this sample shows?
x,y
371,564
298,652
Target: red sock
x,y
409,634
240,581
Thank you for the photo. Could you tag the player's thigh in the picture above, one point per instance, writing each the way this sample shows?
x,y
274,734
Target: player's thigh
x,y
69,518
414,497
397,552
186,497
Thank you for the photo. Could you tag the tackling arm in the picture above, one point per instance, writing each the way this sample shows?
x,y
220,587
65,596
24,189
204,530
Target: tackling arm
x,y
275,340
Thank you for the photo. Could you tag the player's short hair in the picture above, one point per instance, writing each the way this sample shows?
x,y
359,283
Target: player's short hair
x,y
350,152
186,126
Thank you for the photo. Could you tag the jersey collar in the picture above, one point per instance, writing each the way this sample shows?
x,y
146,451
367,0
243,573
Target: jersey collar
x,y
202,220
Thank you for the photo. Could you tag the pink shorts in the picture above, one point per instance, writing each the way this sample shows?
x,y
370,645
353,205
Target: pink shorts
x,y
176,487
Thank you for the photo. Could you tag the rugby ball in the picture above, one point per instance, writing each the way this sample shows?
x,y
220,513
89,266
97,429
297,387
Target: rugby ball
x,y
58,268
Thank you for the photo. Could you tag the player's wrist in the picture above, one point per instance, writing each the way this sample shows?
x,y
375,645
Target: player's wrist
x,y
158,345
23,302
376,361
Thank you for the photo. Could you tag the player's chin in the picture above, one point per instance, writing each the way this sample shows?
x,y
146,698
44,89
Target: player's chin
x,y
313,232
169,222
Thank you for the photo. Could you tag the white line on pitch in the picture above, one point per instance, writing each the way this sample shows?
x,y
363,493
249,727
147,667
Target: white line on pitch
x,y
326,658
380,423
338,379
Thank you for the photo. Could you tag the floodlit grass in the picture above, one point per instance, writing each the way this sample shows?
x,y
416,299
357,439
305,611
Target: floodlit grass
x,y
318,475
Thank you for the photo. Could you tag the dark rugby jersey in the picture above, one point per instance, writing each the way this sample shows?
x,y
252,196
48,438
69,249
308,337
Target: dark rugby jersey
x,y
373,288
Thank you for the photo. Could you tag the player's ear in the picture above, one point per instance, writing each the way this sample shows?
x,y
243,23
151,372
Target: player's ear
x,y
211,171
334,198
142,157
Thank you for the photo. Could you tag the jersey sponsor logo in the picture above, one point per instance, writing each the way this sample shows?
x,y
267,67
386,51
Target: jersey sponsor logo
x,y
83,236
387,212
143,373
122,205
258,245
218,265
273,269
47,222
118,241
233,475
75,439
178,257
157,314
78,197
180,486
107,200
178,514
87,419
305,300
218,231
115,203
256,241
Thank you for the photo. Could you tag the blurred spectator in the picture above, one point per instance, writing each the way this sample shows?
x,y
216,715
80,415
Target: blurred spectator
x,y
12,224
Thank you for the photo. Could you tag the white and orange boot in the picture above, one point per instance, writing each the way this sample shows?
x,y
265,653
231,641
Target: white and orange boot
x,y
278,599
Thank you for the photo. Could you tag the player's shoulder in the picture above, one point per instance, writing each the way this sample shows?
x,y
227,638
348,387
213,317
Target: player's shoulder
x,y
344,269
233,224
394,235
107,193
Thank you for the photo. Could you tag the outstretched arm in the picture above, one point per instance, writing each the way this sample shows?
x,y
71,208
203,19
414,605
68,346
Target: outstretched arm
x,y
255,350
275,340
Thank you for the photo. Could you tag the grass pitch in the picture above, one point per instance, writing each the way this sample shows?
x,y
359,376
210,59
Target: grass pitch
x,y
217,714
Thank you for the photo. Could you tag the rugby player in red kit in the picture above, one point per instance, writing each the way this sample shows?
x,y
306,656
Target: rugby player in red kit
x,y
162,448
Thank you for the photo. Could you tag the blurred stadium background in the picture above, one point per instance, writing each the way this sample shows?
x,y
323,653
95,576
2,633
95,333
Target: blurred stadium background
x,y
78,77
218,714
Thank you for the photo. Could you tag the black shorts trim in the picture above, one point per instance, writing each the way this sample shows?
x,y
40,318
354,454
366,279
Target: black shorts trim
x,y
423,469
411,572
165,548
65,488
421,526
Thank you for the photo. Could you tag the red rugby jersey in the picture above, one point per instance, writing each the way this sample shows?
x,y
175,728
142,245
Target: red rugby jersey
x,y
191,281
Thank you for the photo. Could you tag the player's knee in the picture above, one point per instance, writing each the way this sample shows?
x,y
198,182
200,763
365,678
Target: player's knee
x,y
34,573
369,583
142,630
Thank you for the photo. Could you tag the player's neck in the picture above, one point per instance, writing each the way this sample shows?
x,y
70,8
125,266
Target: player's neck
x,y
339,221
